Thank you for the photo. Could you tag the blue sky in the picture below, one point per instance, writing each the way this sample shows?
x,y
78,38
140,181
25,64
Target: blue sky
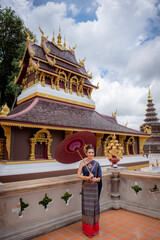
x,y
120,40
85,9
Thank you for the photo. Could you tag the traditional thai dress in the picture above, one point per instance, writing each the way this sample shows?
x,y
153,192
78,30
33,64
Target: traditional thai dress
x,y
90,200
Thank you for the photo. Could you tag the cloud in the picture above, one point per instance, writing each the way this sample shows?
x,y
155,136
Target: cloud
x,y
120,45
128,100
143,64
21,7
74,9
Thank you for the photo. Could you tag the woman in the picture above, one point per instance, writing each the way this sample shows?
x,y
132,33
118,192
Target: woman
x,y
91,188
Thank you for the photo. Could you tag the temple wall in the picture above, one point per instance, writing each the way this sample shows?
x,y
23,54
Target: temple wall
x,y
20,145
36,220
57,137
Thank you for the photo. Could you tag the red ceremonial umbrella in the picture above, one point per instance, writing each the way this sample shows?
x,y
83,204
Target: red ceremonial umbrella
x,y
71,149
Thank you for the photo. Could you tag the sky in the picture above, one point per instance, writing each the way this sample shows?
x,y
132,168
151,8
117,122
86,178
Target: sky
x,y
120,40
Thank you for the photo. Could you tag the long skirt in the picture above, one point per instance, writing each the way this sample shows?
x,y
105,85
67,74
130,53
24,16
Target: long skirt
x,y
90,209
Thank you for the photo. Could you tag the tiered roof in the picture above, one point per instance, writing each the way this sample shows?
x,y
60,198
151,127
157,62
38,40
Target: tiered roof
x,y
59,115
151,115
151,126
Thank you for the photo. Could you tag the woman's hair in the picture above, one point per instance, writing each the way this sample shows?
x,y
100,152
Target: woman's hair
x,y
89,147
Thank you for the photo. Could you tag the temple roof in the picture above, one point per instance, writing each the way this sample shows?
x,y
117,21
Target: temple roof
x,y
50,54
61,115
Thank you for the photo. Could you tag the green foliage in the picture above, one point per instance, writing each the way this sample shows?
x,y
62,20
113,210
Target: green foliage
x,y
23,205
12,45
66,197
45,201
136,188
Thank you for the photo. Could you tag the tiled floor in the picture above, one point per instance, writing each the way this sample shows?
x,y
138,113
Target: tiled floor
x,y
114,224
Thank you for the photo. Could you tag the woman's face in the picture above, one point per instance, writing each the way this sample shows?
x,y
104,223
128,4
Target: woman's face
x,y
90,153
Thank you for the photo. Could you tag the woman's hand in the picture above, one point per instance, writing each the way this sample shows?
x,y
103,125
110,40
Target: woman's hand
x,y
95,179
90,177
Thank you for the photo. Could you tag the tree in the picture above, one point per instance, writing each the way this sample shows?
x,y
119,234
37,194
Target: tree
x,y
12,45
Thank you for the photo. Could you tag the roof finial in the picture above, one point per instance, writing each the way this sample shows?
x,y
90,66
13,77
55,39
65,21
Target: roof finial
x,y
41,31
53,38
59,38
114,114
64,45
28,36
149,93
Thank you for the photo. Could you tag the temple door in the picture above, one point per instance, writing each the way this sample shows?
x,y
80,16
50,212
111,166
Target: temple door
x,y
130,149
41,150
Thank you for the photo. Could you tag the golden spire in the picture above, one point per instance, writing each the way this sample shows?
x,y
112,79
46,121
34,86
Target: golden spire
x,y
64,45
53,38
149,93
59,38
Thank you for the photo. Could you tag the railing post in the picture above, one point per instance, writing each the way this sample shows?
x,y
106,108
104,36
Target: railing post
x,y
115,195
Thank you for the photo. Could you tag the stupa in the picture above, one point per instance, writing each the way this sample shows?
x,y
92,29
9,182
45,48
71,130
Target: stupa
x,y
151,126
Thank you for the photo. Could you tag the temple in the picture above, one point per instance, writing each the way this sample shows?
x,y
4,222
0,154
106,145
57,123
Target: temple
x,y
151,126
55,102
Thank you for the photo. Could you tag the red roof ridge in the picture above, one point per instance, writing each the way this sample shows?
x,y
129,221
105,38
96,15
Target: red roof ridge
x,y
35,101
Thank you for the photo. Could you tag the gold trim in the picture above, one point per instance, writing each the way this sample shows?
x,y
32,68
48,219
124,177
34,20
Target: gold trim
x,y
114,148
19,73
33,64
28,36
1,148
73,81
45,48
7,133
129,142
81,62
62,77
31,53
73,73
44,71
40,137
105,143
63,129
51,62
141,141
72,49
37,94
147,129
66,69
27,161
5,110
68,133
121,140
99,138
138,166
